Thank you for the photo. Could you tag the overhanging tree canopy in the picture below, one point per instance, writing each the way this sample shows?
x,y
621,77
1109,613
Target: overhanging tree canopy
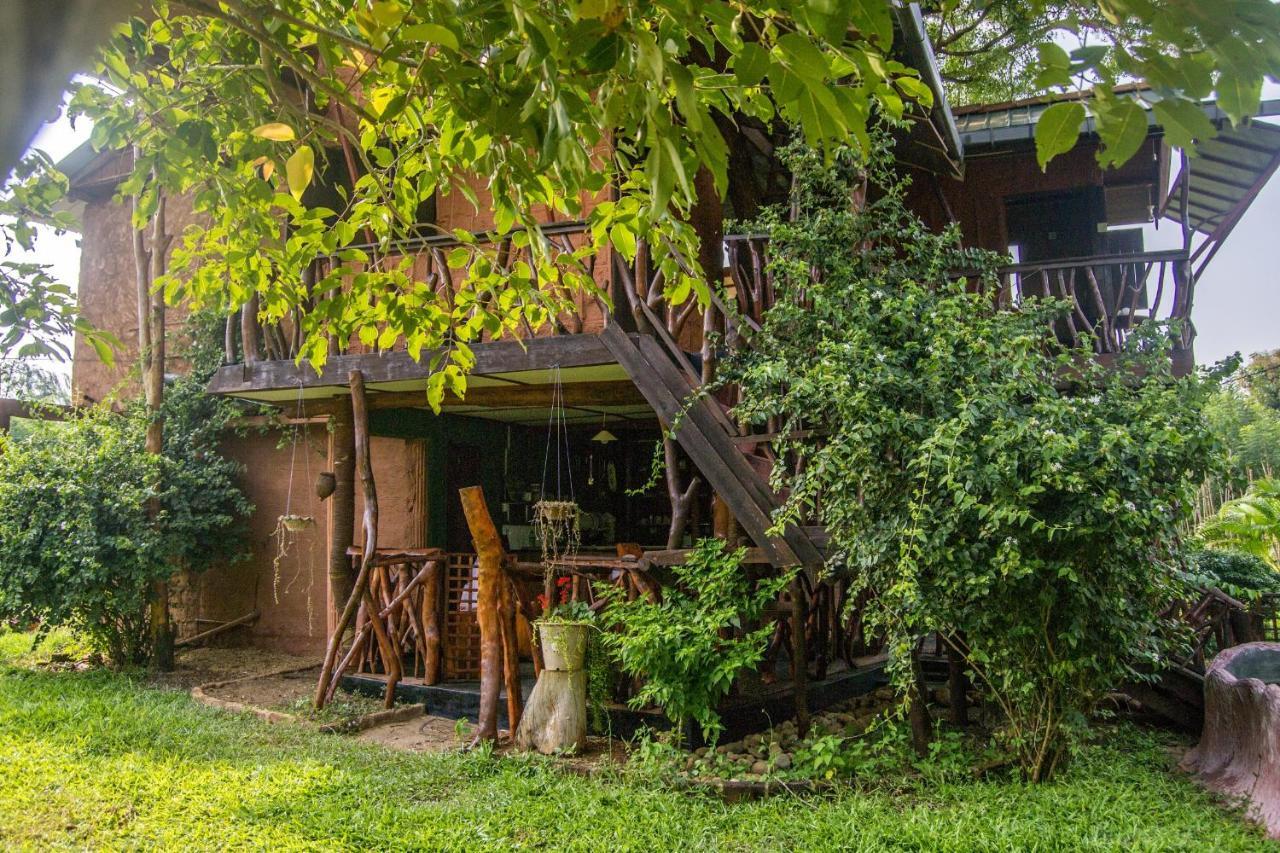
x,y
243,102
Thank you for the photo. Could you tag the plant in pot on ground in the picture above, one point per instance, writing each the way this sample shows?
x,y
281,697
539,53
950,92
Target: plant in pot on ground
x,y
689,647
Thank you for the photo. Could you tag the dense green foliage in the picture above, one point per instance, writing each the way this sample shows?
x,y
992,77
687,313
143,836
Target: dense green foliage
x,y
38,313
960,477
1262,377
79,544
547,103
689,647
1236,573
1250,432
1250,523
245,106
94,761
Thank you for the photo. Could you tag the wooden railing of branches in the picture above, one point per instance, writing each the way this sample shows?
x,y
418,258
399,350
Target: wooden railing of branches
x,y
248,338
1110,296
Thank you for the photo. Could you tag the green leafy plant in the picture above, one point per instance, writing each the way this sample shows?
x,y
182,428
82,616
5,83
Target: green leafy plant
x,y
691,645
1250,523
1239,574
78,546
981,478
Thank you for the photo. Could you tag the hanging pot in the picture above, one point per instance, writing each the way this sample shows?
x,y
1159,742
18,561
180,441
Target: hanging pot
x,y
556,511
326,484
294,523
564,645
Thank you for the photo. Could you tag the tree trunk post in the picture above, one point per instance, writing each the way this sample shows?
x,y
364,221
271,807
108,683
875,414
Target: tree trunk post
x,y
799,656
489,552
510,653
431,623
342,508
918,710
957,685
149,264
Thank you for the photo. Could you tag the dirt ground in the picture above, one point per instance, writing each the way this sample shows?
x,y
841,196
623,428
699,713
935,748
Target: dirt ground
x,y
204,665
276,691
288,691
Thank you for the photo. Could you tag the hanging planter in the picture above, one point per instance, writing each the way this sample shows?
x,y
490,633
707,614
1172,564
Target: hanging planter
x,y
556,512
296,523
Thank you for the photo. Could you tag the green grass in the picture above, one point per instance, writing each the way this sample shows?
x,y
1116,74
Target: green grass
x,y
100,760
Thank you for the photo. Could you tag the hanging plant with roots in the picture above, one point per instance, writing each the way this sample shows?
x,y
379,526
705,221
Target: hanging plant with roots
x,y
556,520
959,476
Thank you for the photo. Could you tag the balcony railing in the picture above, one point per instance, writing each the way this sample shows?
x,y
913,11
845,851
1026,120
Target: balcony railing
x,y
1110,296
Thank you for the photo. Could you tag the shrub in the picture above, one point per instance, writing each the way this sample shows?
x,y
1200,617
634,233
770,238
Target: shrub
x,y
689,647
1240,575
1250,523
78,545
980,478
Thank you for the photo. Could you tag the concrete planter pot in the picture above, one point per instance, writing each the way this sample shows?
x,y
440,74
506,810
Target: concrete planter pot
x,y
564,645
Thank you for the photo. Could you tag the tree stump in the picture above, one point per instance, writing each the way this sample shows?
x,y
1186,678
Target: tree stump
x,y
555,718
1239,751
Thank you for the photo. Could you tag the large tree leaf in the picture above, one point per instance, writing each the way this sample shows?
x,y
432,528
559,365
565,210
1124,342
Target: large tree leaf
x,y
299,169
1057,131
1184,122
1123,126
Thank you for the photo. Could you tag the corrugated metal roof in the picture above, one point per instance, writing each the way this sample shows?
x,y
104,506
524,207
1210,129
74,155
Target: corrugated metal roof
x,y
1226,174
1014,122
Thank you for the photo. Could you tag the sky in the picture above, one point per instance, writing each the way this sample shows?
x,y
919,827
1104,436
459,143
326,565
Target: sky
x,y
1237,300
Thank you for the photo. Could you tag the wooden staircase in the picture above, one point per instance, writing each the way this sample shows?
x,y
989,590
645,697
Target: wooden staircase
x,y
666,379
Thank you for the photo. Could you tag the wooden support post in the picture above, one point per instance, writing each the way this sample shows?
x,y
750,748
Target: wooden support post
x,y
342,508
360,589
510,653
918,709
799,656
369,492
431,622
957,685
489,551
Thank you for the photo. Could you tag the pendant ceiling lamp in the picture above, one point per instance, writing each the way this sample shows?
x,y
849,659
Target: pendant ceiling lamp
x,y
603,436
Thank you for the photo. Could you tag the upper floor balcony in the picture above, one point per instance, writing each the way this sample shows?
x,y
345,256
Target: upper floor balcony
x,y
1109,296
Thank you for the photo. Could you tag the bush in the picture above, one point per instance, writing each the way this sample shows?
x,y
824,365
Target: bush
x,y
980,478
78,545
689,647
1240,575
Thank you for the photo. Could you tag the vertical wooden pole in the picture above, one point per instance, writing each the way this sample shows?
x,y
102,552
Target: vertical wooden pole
x,y
369,492
510,653
149,264
489,551
957,685
918,709
799,655
342,509
431,622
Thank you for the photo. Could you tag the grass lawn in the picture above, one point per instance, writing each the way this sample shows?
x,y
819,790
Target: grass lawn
x,y
96,760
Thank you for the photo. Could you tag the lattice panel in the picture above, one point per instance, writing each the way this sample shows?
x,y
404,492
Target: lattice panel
x,y
461,629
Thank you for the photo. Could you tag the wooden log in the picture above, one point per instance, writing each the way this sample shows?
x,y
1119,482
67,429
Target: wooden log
x,y
215,631
342,505
431,622
489,551
369,492
799,656
357,649
510,652
360,588
957,685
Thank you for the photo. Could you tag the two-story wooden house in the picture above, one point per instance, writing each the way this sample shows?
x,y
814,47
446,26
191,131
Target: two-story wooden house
x,y
582,407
